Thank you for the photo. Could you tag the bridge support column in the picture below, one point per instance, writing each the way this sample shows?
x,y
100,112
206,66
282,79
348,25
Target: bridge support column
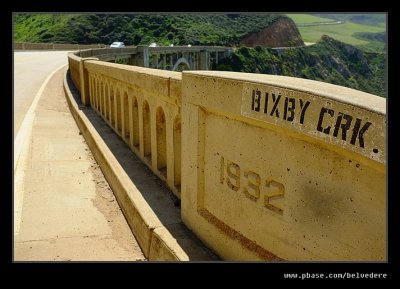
x,y
154,63
164,61
204,60
141,58
146,57
189,59
195,61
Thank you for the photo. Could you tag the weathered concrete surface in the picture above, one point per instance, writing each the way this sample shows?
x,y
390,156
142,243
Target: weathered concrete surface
x,y
30,70
281,168
69,212
151,210
142,106
272,167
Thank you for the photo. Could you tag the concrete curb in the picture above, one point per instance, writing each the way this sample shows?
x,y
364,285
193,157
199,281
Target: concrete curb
x,y
154,239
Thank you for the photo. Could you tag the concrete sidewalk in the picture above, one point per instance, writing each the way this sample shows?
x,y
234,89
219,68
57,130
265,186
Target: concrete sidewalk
x,y
152,210
68,211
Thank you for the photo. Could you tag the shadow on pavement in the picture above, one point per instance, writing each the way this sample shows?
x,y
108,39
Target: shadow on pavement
x,y
162,201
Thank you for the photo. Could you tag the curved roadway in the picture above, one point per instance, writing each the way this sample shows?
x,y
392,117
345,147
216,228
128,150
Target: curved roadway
x,y
31,69
64,209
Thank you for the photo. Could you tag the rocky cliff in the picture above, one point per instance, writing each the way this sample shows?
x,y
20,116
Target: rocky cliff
x,y
281,33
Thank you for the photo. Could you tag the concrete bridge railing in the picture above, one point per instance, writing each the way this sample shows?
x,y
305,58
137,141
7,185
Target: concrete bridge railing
x,y
53,46
266,167
143,108
165,57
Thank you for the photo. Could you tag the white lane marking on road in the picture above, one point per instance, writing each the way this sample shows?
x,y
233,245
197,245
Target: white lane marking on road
x,y
21,146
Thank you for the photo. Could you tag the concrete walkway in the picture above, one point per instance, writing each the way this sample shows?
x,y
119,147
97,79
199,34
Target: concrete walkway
x,y
64,208
151,209
31,68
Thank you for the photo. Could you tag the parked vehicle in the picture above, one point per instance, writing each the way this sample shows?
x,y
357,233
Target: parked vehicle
x,y
153,45
117,45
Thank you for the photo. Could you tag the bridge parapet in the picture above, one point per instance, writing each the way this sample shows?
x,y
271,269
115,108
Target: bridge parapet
x,y
267,167
287,168
53,46
142,106
73,64
196,57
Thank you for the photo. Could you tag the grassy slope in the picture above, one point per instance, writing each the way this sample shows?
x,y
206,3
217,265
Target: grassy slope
x,y
329,61
314,62
373,19
343,32
134,29
35,29
306,18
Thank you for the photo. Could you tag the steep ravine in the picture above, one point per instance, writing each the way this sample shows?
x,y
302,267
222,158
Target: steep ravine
x,y
281,33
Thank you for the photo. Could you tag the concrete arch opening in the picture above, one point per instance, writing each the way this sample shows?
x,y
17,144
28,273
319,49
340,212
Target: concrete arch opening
x,y
107,102
118,122
94,93
112,105
177,152
181,64
91,90
98,100
146,131
126,118
102,99
98,95
161,136
135,123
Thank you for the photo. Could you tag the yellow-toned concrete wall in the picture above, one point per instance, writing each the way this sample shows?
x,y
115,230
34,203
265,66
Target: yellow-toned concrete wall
x,y
73,64
119,93
267,167
283,168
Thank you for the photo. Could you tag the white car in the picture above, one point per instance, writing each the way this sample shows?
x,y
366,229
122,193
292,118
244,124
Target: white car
x,y
153,45
117,45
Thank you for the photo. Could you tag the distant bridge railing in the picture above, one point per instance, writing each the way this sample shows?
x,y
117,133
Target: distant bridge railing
x,y
267,167
164,57
54,46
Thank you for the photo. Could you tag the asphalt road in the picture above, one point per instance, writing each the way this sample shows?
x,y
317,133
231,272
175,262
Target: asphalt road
x,y
31,69
64,209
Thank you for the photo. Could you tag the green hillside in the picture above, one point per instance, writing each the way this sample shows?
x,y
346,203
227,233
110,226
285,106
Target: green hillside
x,y
329,61
373,19
351,25
308,18
135,29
